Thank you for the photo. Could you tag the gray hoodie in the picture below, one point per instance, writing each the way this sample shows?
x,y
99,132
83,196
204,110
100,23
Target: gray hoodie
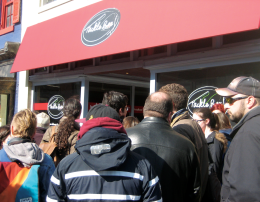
x,y
27,153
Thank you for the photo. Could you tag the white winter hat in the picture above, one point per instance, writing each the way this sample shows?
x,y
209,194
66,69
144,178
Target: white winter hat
x,y
43,120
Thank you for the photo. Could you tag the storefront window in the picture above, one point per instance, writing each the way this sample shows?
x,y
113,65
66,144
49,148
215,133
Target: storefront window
x,y
140,96
50,98
216,76
3,109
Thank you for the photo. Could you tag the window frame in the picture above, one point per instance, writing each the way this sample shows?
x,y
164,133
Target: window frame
x,y
15,4
5,13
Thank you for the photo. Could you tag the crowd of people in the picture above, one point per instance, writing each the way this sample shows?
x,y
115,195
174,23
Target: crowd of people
x,y
168,156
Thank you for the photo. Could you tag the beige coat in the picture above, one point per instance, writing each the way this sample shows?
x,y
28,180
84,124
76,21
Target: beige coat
x,y
71,140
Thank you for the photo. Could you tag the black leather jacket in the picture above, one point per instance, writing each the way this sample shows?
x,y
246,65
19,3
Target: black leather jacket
x,y
172,156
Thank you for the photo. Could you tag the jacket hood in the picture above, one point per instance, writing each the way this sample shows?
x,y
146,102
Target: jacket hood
x,y
27,153
105,122
103,148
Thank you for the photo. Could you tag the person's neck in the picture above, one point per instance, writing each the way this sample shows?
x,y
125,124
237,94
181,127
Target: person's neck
x,y
208,131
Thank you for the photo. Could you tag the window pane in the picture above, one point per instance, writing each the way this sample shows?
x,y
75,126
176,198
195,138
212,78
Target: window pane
x,y
47,1
7,22
3,109
8,10
43,95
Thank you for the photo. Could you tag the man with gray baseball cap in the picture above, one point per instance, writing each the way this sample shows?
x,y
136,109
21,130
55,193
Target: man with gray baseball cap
x,y
241,172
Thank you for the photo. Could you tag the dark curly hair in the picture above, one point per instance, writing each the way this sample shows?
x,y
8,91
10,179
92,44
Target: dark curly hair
x,y
178,94
71,110
4,132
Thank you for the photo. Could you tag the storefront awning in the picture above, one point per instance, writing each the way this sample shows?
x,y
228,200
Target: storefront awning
x,y
130,25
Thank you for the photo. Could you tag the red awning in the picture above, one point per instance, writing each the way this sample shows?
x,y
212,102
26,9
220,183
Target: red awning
x,y
143,24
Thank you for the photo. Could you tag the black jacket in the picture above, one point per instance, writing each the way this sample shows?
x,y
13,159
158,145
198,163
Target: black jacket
x,y
104,169
217,143
241,172
189,128
172,156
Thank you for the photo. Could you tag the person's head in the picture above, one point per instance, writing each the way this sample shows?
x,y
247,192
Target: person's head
x,y
218,108
24,124
224,122
241,96
72,107
4,133
206,119
178,94
71,111
130,121
117,101
158,104
101,110
43,120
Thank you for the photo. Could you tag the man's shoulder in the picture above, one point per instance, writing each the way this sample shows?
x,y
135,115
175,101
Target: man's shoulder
x,y
165,136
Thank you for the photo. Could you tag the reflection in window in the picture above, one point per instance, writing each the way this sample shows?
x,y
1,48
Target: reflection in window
x,y
47,1
3,109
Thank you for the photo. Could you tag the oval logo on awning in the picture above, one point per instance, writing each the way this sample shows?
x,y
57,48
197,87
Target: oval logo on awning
x,y
100,27
203,97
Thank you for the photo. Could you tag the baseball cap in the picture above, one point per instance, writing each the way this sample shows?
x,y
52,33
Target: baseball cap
x,y
241,85
100,110
43,120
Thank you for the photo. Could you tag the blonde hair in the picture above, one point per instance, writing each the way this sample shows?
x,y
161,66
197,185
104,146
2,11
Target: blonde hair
x,y
24,123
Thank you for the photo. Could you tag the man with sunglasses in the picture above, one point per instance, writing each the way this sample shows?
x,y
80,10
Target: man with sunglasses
x,y
241,172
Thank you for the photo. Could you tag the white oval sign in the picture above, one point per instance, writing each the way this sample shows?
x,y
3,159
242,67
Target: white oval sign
x,y
100,27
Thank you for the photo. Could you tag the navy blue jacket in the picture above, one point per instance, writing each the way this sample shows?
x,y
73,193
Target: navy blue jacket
x,y
104,168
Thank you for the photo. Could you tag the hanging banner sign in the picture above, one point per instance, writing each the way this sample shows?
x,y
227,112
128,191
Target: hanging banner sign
x,y
203,97
55,106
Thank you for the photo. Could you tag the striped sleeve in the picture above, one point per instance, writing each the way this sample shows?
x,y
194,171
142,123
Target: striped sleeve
x,y
151,184
55,192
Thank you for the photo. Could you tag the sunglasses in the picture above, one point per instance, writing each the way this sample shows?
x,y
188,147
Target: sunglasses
x,y
231,100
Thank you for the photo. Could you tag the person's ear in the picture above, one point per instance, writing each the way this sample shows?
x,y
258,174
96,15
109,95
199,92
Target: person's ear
x,y
121,111
207,121
250,102
12,130
169,119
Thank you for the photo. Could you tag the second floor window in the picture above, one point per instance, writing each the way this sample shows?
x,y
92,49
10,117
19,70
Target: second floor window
x,y
9,13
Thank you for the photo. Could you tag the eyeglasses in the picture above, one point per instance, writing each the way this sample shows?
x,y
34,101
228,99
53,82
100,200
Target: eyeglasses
x,y
199,120
126,108
231,100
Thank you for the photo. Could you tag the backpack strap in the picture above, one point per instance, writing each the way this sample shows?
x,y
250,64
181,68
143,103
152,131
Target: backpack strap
x,y
52,133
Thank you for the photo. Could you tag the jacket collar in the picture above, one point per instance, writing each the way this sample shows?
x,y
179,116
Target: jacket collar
x,y
18,140
249,115
180,115
155,120
210,138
